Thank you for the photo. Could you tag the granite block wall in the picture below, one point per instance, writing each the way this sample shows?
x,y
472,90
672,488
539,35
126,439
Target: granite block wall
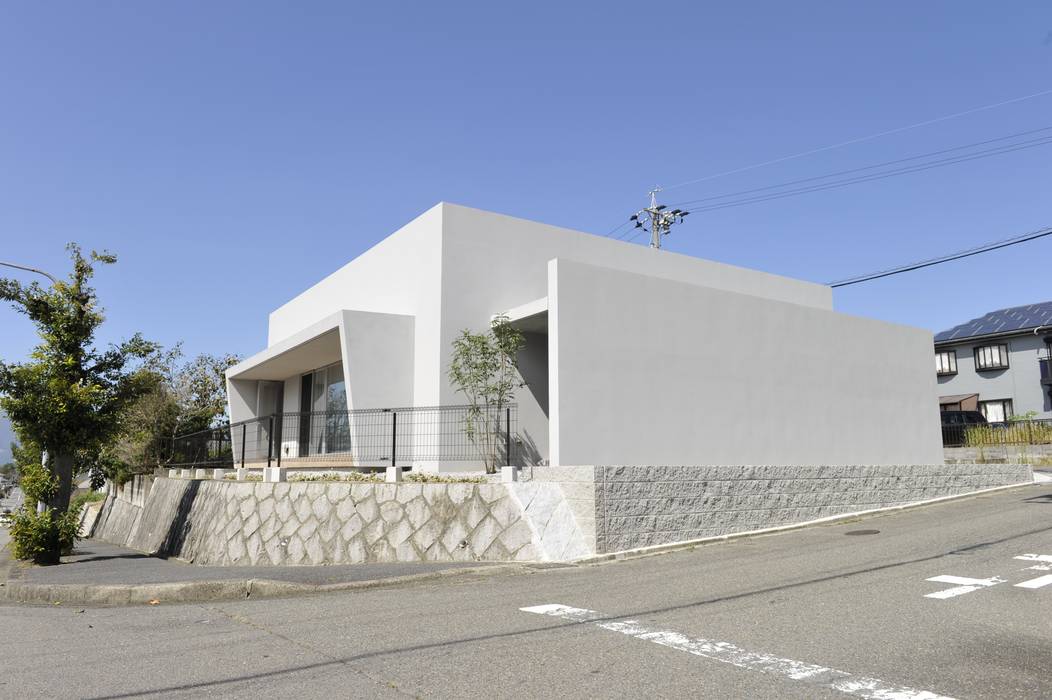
x,y
641,506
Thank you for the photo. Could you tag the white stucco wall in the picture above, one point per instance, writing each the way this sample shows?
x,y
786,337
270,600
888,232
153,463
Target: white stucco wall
x,y
399,275
493,263
454,268
653,371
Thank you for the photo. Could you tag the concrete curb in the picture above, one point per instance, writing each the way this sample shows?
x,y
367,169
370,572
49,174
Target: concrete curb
x,y
690,544
222,590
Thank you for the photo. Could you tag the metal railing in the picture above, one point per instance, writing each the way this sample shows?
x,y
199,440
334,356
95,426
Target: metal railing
x,y
359,438
1019,432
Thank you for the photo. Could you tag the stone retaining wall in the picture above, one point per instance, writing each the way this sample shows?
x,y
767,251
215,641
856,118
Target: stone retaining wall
x,y
554,514
228,522
1032,454
644,506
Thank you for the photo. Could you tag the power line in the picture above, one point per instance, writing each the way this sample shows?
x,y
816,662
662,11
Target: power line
x,y
860,139
632,234
878,176
871,167
985,248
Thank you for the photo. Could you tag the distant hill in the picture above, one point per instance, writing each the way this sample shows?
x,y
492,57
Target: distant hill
x,y
7,436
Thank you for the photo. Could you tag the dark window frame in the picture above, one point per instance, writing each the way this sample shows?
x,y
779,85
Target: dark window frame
x,y
1006,406
991,368
952,354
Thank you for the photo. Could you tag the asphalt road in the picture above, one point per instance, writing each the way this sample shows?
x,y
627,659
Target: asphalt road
x,y
815,613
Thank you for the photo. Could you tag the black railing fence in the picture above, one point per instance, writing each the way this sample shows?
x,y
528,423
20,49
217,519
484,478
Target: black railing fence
x,y
363,437
1016,432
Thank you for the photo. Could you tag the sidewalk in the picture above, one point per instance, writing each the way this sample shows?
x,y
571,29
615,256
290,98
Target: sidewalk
x,y
98,573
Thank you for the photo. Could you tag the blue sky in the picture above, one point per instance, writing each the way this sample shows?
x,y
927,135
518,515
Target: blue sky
x,y
232,153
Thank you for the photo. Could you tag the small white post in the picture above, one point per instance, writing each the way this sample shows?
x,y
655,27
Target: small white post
x,y
509,474
273,475
394,475
218,474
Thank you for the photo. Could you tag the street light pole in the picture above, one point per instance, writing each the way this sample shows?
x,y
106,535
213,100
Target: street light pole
x,y
41,506
29,269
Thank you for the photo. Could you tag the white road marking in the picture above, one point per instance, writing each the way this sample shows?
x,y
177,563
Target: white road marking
x,y
965,585
1035,582
728,653
1046,558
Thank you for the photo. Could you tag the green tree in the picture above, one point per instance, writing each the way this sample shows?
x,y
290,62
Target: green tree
x,y
181,398
68,399
484,368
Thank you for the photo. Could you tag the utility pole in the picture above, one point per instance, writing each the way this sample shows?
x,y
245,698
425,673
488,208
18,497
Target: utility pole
x,y
655,220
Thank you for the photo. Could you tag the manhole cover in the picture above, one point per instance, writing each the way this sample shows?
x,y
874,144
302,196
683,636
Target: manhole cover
x,y
862,532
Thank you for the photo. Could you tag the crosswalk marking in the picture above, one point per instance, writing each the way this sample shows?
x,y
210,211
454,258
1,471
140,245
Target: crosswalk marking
x,y
725,652
1036,582
964,585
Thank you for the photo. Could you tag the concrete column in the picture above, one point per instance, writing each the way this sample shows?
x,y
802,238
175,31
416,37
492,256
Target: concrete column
x,y
201,474
186,473
394,475
218,474
508,474
173,473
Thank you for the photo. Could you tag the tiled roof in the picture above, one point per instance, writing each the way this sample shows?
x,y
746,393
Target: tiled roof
x,y
1017,318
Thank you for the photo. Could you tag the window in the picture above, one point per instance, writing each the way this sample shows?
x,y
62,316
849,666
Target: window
x,y
991,357
946,362
996,411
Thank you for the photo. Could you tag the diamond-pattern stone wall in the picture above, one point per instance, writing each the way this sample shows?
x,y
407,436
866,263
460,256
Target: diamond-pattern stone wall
x,y
228,522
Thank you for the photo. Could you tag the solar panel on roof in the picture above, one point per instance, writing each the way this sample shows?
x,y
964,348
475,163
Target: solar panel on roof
x,y
1016,318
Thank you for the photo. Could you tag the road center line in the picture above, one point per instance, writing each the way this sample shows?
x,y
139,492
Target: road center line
x,y
728,653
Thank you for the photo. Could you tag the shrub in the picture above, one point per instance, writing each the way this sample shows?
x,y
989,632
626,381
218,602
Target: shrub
x,y
38,484
86,497
248,477
334,476
428,478
42,537
1016,432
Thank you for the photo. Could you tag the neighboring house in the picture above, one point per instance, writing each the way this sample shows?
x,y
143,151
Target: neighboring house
x,y
633,355
998,363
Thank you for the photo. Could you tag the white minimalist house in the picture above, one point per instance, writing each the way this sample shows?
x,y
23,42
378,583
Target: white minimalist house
x,y
633,355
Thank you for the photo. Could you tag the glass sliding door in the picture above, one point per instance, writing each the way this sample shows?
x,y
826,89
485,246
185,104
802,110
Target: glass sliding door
x,y
304,417
317,419
324,421
337,426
